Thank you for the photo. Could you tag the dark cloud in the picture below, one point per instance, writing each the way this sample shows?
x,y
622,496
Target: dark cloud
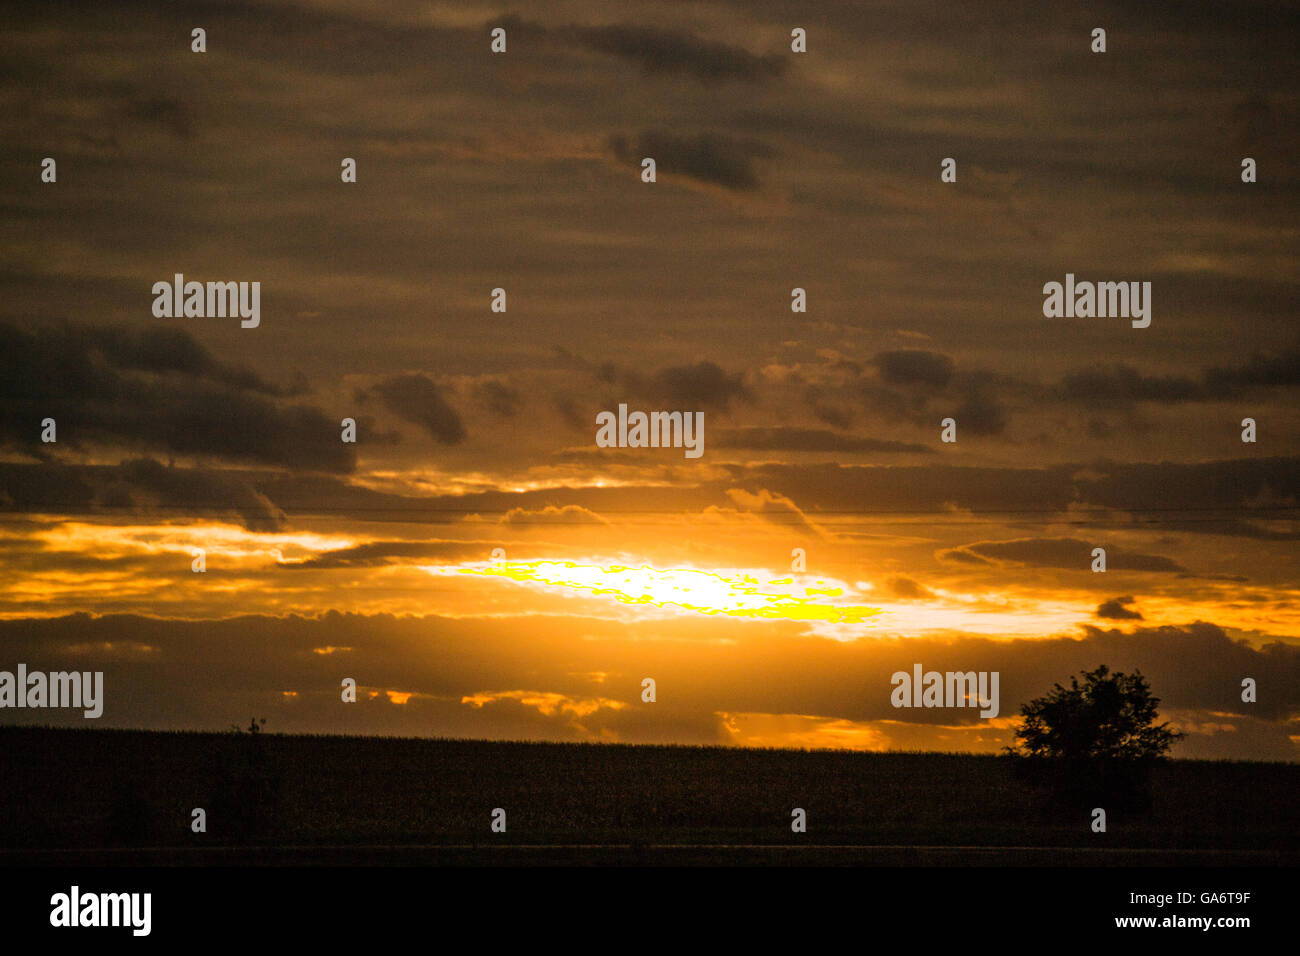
x,y
139,486
567,409
1189,497
1273,525
318,494
808,439
499,398
379,553
153,388
215,421
418,399
326,495
1179,493
163,348
1124,385
703,386
675,51
1251,121
706,157
979,413
1069,553
916,385
1263,486
832,415
169,115
909,383
907,589
1115,609
50,487
192,491
914,367
887,403
777,509
655,50
1260,371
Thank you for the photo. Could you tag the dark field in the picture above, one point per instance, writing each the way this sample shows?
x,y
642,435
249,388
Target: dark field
x,y
126,796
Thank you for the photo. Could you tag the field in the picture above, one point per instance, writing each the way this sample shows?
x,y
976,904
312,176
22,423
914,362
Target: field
x,y
111,795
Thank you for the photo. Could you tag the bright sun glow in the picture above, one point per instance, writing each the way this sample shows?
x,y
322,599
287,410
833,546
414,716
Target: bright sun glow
x,y
705,592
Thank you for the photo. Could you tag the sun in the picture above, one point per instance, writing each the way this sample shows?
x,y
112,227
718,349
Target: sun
x,y
741,594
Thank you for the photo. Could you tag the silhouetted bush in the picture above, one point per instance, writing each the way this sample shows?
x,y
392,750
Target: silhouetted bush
x,y
1093,744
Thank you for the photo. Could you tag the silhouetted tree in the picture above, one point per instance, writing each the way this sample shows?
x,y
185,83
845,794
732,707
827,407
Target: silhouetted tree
x,y
1111,715
1094,740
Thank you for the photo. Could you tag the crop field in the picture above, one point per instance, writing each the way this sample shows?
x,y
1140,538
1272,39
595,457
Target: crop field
x,y
377,799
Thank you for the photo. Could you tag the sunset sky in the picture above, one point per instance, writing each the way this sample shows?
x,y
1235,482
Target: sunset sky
x,y
476,429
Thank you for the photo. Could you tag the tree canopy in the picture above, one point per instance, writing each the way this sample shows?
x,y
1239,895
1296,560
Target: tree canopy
x,y
1107,716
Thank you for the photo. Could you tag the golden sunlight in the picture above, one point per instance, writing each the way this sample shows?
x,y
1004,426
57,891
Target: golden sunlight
x,y
704,592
